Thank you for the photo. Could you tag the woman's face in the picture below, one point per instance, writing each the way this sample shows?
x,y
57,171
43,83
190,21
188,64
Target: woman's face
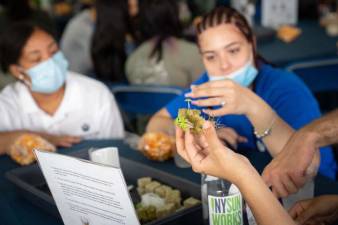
x,y
39,47
224,49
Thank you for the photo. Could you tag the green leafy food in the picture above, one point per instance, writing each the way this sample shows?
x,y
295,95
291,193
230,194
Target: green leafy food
x,y
190,119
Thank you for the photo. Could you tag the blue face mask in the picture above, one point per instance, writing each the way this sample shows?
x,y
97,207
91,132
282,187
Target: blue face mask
x,y
49,76
243,76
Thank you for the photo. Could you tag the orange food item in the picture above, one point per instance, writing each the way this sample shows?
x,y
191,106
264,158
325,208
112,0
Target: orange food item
x,y
288,33
21,151
157,146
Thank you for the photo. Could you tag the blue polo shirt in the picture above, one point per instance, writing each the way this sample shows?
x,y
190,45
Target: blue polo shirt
x,y
287,95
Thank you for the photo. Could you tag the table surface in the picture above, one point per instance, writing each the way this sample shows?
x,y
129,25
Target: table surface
x,y
312,44
15,210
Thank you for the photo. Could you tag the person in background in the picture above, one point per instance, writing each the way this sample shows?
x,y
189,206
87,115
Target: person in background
x,y
97,40
22,11
14,11
164,58
292,162
256,107
207,155
61,106
75,41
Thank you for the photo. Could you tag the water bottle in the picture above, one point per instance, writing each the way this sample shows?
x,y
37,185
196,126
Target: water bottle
x,y
222,202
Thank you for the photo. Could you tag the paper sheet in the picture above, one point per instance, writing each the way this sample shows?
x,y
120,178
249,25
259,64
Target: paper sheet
x,y
279,12
87,193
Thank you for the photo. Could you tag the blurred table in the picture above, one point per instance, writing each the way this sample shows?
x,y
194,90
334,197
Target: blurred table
x,y
312,44
15,210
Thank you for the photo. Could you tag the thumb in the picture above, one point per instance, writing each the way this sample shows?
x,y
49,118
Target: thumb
x,y
211,135
306,215
266,177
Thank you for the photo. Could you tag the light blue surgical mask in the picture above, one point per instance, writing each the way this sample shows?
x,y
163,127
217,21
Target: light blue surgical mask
x,y
243,76
49,76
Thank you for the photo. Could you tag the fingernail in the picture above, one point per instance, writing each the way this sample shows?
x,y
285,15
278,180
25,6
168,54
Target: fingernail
x,y
192,86
189,94
194,102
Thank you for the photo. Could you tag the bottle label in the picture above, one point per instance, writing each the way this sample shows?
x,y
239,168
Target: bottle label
x,y
225,210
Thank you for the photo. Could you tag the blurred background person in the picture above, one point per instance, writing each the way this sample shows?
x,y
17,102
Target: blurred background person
x,y
97,41
164,58
22,10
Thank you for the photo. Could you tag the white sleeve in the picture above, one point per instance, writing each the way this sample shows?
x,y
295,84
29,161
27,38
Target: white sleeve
x,y
111,124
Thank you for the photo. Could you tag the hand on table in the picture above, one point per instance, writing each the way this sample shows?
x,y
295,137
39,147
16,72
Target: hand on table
x,y
230,137
62,140
317,211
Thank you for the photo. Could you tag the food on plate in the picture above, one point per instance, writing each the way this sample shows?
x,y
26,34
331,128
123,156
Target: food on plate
x,y
288,33
145,213
152,186
21,151
190,202
157,146
159,200
190,119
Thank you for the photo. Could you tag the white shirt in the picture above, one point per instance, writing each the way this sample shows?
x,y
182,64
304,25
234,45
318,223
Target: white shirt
x,y
88,110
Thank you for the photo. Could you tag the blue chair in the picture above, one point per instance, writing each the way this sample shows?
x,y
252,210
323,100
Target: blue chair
x,y
321,77
144,100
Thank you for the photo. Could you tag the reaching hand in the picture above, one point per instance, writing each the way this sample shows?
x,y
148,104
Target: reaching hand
x,y
293,166
208,155
317,211
230,137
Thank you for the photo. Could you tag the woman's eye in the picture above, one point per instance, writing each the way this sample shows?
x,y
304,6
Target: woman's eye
x,y
234,51
35,60
210,58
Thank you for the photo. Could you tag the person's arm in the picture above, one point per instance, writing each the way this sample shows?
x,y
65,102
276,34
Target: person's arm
x,y
319,210
324,130
207,155
7,138
161,122
293,163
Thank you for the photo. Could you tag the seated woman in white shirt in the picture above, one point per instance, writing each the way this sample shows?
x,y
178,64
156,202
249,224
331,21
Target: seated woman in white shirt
x,y
59,105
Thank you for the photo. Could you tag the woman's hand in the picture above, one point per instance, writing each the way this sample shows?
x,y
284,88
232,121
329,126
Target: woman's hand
x,y
230,137
61,140
208,155
233,98
319,210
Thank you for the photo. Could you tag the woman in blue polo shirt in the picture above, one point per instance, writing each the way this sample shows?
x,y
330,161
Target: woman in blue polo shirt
x,y
248,98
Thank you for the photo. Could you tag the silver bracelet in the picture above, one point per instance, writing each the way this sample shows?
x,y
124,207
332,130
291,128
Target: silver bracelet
x,y
265,133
